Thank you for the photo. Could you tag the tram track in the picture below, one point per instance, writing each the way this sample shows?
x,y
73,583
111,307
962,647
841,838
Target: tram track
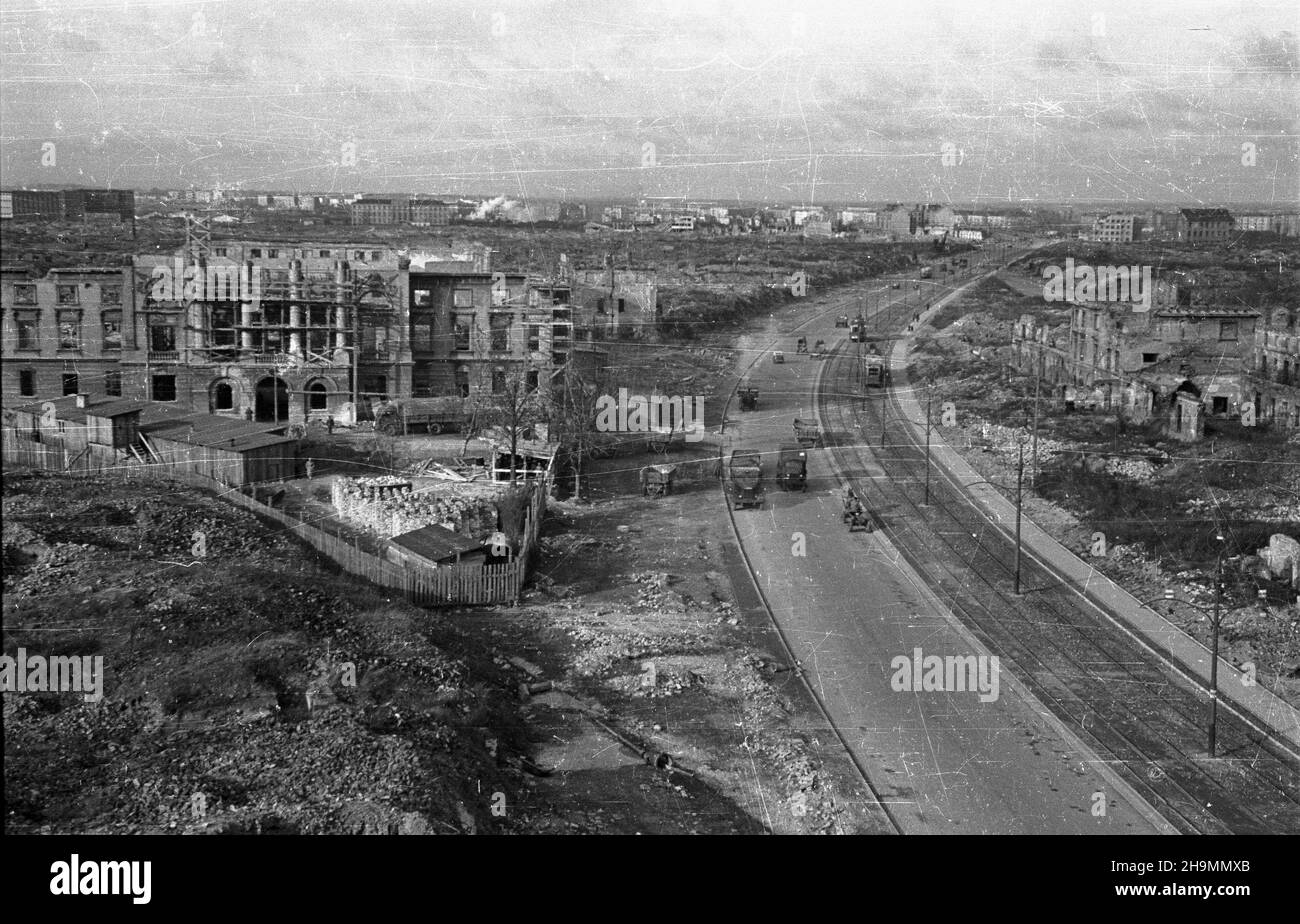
x,y
1137,710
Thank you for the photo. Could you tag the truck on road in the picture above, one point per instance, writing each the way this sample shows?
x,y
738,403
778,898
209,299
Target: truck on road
x,y
745,478
792,468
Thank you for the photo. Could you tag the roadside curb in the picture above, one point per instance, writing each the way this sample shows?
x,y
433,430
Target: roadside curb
x,y
1260,707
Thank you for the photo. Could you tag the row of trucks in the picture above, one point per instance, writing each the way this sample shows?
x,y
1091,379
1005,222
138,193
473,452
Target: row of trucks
x,y
745,474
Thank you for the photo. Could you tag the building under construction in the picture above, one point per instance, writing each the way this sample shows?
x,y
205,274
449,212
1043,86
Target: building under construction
x,y
270,331
283,332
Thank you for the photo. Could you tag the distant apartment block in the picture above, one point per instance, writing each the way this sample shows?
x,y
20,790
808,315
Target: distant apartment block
x,y
1283,224
1115,229
1203,226
400,210
857,218
88,205
898,220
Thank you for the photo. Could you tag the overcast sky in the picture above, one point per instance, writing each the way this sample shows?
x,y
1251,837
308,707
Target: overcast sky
x,y
755,99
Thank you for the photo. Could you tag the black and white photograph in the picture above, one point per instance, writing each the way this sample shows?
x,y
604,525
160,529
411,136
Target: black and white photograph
x,y
662,417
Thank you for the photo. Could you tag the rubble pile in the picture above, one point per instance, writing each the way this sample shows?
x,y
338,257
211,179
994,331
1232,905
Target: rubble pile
x,y
657,594
1133,469
1006,441
600,649
272,696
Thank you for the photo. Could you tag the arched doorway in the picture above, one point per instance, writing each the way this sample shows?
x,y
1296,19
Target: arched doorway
x,y
272,400
316,398
222,397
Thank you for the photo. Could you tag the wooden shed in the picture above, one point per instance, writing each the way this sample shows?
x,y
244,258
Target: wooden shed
x,y
77,421
231,452
434,546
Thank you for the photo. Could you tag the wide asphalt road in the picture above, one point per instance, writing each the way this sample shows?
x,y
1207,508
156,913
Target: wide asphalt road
x,y
942,761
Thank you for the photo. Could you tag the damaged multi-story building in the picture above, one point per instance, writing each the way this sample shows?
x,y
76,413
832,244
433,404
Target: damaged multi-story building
x,y
65,332
620,304
277,331
1275,368
472,331
1185,358
268,330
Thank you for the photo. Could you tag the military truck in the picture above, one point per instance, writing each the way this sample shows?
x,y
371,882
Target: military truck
x,y
745,478
430,415
792,468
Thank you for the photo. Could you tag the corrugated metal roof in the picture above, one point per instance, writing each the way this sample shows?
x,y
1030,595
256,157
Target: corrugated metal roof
x,y
436,543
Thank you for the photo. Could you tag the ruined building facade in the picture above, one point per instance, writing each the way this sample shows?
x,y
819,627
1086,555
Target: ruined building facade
x,y
281,332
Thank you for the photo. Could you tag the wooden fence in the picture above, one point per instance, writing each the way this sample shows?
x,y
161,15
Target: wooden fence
x,y
55,457
452,585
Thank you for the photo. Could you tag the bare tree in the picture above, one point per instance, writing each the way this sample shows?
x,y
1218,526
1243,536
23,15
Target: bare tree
x,y
573,416
516,406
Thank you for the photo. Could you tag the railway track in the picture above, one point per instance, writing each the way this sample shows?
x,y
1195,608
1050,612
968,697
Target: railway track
x,y
1137,711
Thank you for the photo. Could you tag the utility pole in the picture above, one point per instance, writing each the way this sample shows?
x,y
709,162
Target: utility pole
x,y
929,400
1214,648
1033,472
1020,481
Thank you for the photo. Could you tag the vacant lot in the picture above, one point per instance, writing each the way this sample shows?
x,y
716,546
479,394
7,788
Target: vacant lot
x,y
1159,502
